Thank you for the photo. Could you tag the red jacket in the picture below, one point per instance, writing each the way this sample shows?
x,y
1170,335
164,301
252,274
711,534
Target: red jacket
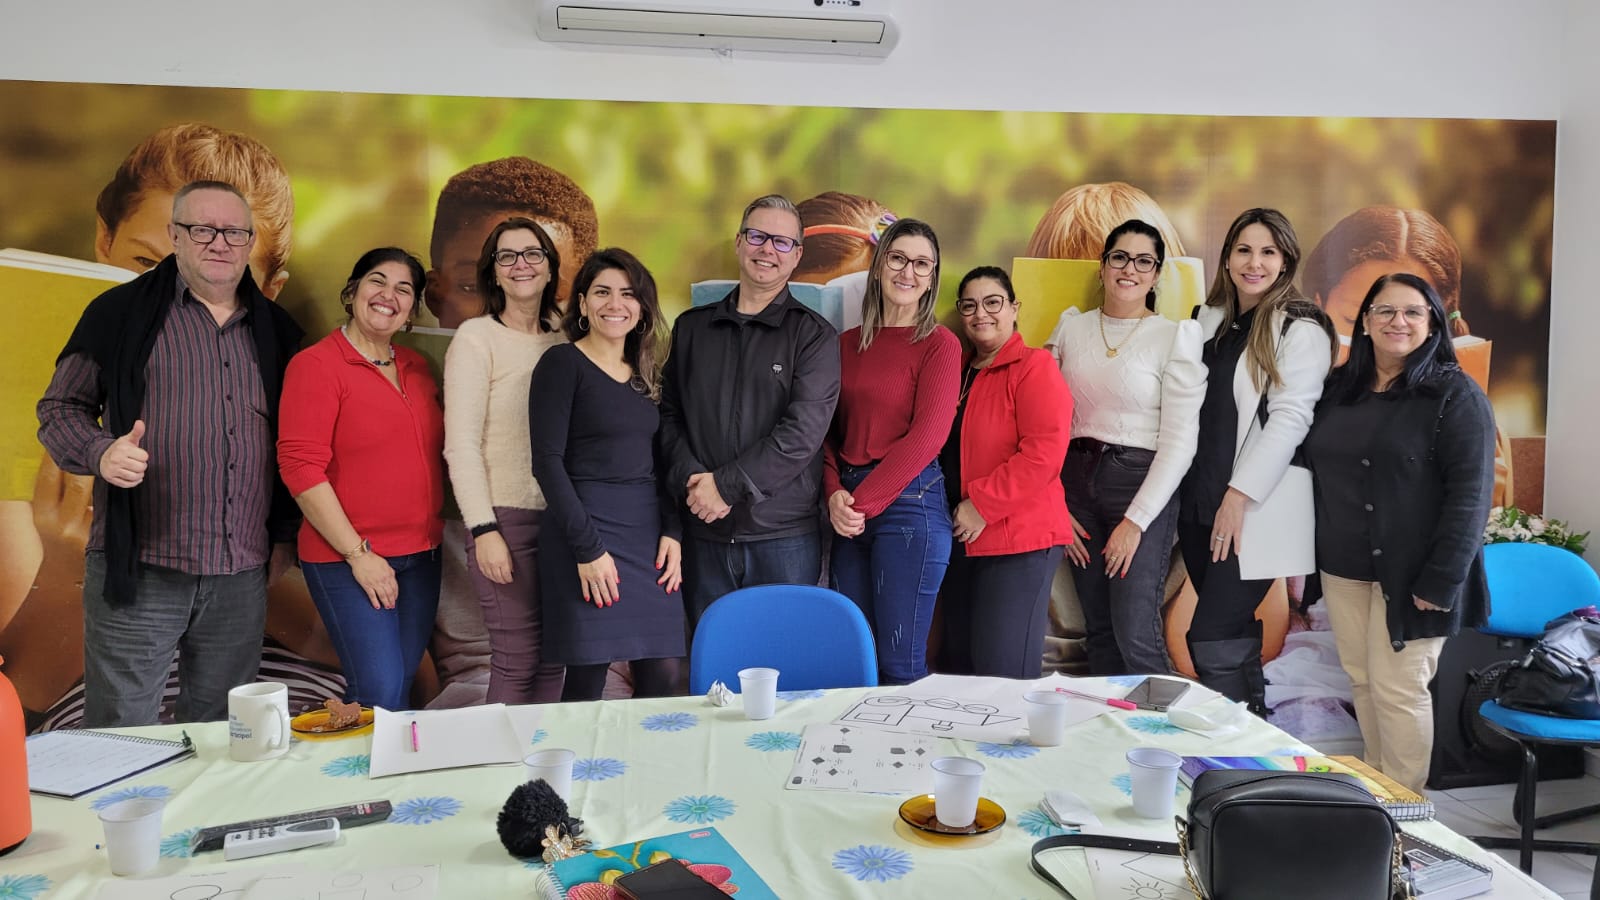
x,y
382,450
1013,441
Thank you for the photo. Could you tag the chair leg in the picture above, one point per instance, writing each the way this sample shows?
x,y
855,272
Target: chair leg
x,y
1527,785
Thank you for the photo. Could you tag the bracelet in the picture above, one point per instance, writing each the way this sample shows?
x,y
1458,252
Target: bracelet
x,y
485,528
359,550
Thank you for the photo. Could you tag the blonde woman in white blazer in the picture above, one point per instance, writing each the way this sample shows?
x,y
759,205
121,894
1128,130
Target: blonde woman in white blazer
x,y
1244,517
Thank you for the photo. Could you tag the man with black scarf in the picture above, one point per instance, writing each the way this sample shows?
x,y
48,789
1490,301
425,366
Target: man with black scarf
x,y
167,392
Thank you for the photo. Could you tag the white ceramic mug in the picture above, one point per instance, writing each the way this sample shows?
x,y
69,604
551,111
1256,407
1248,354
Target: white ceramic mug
x,y
258,721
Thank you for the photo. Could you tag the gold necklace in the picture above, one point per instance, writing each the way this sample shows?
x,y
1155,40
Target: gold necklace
x,y
1111,351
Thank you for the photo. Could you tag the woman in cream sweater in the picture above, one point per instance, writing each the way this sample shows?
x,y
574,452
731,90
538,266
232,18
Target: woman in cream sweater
x,y
487,371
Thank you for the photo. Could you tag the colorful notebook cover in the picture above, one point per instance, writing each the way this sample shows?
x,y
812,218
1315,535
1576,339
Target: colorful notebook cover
x,y
707,853
1405,805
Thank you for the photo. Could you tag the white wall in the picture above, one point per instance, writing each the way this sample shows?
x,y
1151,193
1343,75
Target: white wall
x,y
1572,475
1453,58
1448,58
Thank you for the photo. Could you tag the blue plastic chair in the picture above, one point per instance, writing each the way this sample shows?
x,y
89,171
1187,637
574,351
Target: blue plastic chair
x,y
814,637
1530,584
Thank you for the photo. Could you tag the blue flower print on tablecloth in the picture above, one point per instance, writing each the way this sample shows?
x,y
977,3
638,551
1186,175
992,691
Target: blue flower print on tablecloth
x,y
1127,680
178,846
769,741
791,696
424,810
348,766
1153,725
671,721
598,769
1018,749
701,810
538,736
157,791
1039,824
873,863
22,887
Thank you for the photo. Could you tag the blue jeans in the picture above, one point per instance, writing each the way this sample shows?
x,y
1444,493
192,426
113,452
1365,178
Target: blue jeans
x,y
714,568
894,568
379,649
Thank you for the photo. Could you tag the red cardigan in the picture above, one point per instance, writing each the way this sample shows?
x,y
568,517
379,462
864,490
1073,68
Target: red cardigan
x,y
382,450
1013,441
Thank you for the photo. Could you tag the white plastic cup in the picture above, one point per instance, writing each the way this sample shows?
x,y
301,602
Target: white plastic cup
x,y
957,782
758,689
1047,717
133,834
554,766
1154,774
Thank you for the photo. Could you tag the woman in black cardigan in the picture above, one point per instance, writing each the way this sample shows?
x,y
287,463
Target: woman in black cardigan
x,y
1402,450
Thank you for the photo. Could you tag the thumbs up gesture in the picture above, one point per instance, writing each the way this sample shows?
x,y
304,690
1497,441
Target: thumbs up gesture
x,y
124,462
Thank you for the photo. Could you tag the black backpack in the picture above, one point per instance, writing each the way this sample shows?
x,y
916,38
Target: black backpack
x,y
1559,676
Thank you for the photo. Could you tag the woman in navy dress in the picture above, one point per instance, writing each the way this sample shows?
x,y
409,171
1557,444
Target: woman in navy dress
x,y
609,562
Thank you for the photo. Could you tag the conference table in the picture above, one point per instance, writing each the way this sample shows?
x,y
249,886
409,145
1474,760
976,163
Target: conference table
x,y
647,768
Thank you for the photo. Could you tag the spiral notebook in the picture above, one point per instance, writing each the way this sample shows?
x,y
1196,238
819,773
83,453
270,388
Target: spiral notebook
x,y
69,763
1405,805
705,851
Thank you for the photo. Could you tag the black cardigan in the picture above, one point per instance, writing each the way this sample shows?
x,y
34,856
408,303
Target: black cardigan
x,y
1430,490
118,331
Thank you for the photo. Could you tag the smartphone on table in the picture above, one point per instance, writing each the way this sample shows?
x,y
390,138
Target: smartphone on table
x,y
1157,694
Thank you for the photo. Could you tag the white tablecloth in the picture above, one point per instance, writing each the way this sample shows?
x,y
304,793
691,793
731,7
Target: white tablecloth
x,y
647,768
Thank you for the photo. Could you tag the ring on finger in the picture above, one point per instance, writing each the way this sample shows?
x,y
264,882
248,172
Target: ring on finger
x,y
1219,539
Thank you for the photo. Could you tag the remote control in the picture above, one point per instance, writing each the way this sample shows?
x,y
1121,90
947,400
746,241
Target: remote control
x,y
280,838
211,837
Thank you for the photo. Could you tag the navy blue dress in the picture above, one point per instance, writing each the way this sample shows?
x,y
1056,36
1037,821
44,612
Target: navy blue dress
x,y
593,441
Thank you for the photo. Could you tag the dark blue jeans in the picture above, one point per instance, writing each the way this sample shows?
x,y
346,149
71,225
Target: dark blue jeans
x,y
379,649
1122,616
714,568
894,568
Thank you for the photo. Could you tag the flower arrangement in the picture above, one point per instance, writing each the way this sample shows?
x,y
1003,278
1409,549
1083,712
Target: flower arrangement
x,y
1508,524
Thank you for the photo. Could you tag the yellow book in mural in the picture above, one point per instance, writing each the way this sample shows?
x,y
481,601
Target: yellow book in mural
x,y
1046,287
41,298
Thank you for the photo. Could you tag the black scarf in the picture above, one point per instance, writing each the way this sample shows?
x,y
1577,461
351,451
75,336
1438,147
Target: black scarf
x,y
118,331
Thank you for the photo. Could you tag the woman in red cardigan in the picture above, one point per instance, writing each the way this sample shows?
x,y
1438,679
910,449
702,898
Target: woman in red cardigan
x,y
1002,468
361,448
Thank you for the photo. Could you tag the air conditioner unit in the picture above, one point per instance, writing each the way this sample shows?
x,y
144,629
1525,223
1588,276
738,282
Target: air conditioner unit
x,y
842,27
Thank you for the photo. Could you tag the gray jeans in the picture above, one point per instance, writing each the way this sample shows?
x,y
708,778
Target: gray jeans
x,y
214,622
1121,615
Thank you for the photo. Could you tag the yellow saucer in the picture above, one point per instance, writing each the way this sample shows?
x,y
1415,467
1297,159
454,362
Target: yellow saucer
x,y
918,812
303,724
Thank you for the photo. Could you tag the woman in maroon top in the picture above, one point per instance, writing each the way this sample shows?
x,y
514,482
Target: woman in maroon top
x,y
361,448
899,376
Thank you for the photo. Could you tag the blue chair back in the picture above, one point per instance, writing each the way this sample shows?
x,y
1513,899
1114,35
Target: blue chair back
x,y
814,637
1530,584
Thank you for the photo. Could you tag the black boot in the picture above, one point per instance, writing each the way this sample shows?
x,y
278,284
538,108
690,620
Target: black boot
x,y
1232,668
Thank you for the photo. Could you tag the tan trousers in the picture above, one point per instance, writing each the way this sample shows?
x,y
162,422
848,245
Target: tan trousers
x,y
1393,706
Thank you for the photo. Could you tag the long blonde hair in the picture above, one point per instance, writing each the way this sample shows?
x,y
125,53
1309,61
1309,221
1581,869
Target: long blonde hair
x,y
1261,345
872,313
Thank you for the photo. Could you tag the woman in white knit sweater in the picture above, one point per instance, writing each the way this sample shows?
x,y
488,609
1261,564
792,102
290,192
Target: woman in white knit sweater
x,y
486,374
1138,383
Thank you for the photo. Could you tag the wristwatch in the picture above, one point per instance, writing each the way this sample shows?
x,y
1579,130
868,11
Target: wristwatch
x,y
359,550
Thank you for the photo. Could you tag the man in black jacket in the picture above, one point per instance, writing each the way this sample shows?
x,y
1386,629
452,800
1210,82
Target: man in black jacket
x,y
747,396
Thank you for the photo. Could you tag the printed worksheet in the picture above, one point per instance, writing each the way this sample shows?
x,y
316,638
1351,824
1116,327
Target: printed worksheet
x,y
834,757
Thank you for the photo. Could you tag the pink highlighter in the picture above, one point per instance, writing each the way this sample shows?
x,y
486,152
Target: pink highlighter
x,y
1119,704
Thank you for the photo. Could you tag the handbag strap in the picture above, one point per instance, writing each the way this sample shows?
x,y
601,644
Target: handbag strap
x,y
1101,841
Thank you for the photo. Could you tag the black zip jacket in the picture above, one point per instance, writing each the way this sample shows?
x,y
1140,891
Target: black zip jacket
x,y
749,399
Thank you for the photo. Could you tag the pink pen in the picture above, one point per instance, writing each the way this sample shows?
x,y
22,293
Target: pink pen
x,y
1119,704
414,747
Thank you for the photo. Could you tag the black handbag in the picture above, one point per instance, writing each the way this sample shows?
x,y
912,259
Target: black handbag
x,y
1254,835
1558,677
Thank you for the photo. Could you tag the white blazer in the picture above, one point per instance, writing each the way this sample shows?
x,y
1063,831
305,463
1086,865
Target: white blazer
x,y
1262,455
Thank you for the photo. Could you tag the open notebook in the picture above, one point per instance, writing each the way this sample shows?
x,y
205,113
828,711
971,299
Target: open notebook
x,y
70,763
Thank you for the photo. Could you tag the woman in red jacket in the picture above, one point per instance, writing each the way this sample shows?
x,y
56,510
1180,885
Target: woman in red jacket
x,y
1002,467
361,448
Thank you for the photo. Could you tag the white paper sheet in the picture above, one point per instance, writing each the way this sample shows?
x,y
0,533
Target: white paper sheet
x,y
866,760
228,880
383,883
1117,874
446,739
